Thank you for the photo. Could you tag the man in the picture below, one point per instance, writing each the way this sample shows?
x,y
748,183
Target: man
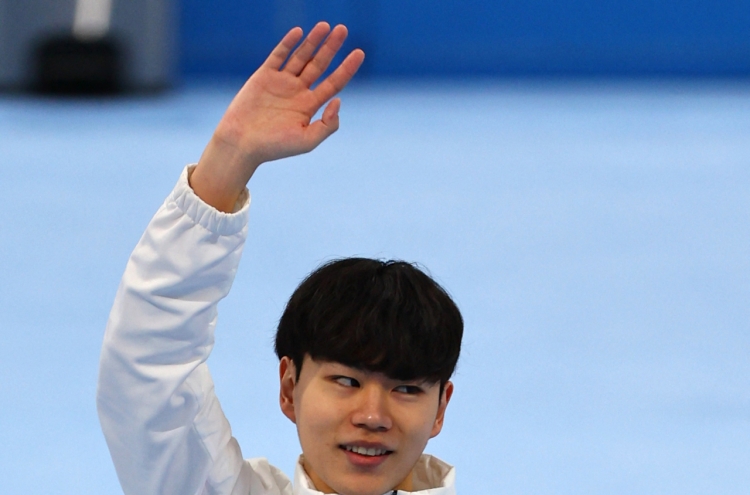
x,y
366,348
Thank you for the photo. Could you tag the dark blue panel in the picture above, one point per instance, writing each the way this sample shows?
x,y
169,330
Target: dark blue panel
x,y
574,36
454,37
233,37
225,36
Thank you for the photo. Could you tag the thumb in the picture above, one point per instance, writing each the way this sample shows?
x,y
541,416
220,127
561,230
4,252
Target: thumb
x,y
319,130
331,114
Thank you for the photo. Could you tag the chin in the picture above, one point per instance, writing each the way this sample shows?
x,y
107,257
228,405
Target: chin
x,y
364,491
363,488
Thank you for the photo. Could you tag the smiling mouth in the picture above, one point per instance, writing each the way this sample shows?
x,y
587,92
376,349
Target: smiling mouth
x,y
369,452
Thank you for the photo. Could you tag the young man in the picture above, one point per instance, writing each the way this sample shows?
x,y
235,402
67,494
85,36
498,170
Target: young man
x,y
366,348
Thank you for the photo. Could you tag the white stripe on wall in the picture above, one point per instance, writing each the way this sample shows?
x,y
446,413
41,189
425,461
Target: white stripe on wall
x,y
92,18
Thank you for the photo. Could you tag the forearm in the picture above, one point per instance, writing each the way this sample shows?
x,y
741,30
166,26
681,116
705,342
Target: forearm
x,y
153,381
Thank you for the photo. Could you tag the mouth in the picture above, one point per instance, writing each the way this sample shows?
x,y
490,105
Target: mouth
x,y
367,451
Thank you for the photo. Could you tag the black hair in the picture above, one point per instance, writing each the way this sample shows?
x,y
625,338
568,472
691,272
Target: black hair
x,y
379,316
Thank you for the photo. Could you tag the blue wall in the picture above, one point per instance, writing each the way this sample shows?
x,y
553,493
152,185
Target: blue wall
x,y
455,37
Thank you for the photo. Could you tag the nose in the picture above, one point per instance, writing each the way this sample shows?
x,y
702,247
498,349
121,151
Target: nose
x,y
372,410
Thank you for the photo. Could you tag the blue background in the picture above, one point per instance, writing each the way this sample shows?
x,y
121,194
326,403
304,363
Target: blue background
x,y
481,37
594,233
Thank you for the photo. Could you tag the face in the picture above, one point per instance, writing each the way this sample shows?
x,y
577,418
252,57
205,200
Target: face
x,y
361,432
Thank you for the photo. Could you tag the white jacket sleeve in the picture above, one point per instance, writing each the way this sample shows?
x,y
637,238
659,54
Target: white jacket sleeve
x,y
163,423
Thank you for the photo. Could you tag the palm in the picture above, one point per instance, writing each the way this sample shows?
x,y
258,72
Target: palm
x,y
271,115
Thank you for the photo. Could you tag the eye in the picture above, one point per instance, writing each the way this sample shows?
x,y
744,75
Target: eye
x,y
409,389
346,381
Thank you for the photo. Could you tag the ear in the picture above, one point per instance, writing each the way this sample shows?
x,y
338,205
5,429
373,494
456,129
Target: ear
x,y
444,400
287,382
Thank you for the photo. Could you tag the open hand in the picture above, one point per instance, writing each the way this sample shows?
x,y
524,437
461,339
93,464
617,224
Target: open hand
x,y
271,116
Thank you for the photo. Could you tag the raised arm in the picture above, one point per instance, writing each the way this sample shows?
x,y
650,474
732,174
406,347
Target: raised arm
x,y
271,116
163,423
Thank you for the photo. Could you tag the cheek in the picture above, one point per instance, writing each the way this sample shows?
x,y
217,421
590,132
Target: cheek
x,y
418,423
317,420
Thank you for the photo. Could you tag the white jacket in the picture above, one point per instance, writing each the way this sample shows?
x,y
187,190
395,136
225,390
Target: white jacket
x,y
163,423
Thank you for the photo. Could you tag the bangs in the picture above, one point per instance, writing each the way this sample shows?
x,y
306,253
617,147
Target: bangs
x,y
386,317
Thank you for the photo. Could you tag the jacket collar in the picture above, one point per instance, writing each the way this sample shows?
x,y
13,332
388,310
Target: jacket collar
x,y
431,477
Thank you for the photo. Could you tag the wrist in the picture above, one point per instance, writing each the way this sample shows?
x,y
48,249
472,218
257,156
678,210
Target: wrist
x,y
222,174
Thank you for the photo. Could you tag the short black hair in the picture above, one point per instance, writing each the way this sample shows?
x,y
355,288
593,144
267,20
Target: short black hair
x,y
383,316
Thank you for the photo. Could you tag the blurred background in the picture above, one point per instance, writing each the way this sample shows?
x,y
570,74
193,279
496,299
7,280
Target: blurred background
x,y
575,173
482,37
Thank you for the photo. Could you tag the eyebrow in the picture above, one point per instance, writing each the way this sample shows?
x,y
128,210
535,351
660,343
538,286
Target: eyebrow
x,y
420,381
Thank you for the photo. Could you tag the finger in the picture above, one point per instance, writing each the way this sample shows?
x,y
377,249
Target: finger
x,y
282,50
318,131
340,77
325,54
305,51
331,113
